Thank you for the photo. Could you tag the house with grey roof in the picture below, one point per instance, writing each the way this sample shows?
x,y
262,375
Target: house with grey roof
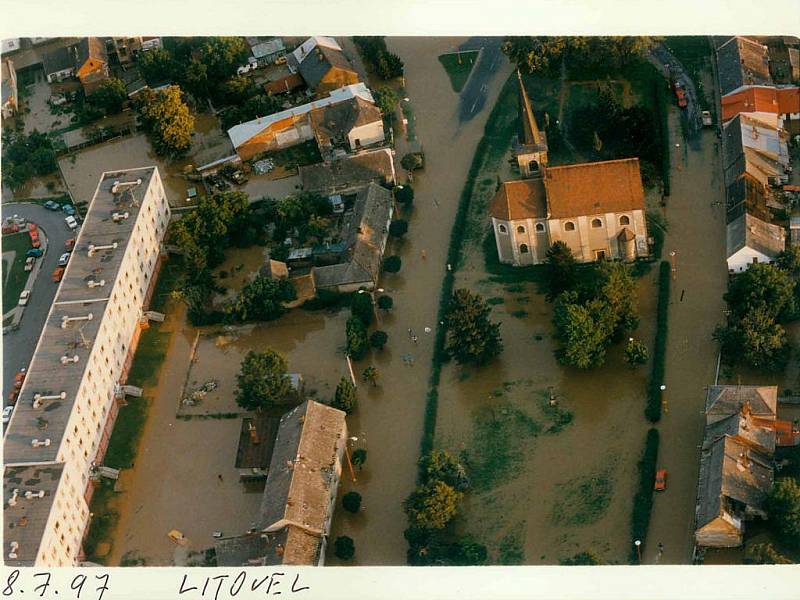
x,y
751,240
266,50
350,173
85,59
724,400
741,61
365,232
300,493
322,64
347,126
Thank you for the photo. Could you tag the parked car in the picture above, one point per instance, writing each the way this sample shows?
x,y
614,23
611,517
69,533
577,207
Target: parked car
x,y
63,259
7,411
29,262
661,480
24,297
19,378
34,252
12,397
708,120
680,94
52,205
35,242
71,222
69,244
68,209
10,227
58,274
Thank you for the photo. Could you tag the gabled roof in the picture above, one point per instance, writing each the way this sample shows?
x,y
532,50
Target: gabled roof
x,y
302,469
517,200
89,48
349,172
318,55
336,121
757,98
742,61
729,399
57,60
593,188
531,136
755,431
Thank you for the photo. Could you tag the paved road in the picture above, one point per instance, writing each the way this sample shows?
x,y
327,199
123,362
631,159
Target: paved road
x,y
473,96
661,56
18,346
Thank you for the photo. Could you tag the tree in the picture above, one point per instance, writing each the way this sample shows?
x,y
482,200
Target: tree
x,y
157,66
378,339
262,380
262,299
362,308
764,554
345,396
635,352
392,264
472,337
167,121
351,502
440,465
433,505
412,161
110,96
357,341
560,269
359,457
398,228
389,66
583,339
534,54
385,302
783,507
757,339
196,79
370,374
239,89
385,99
762,286
344,548
404,194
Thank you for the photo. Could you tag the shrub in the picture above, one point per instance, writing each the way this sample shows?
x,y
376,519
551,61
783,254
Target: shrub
x,y
344,548
471,336
359,457
783,506
345,396
392,264
357,343
404,194
440,465
378,339
361,307
643,500
635,352
351,502
262,380
385,99
398,228
412,161
653,409
385,302
433,505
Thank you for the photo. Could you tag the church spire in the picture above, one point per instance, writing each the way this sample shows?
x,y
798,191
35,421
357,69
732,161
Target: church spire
x,y
530,130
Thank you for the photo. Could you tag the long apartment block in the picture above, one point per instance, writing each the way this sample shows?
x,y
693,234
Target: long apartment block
x,y
59,432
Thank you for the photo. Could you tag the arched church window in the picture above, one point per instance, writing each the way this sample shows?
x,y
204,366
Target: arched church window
x,y
569,226
596,223
624,220
523,248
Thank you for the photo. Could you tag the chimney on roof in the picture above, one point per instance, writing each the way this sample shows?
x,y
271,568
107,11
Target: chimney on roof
x,y
251,429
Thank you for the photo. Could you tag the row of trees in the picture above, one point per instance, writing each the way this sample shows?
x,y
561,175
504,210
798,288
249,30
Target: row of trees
x,y
534,54
761,301
591,313
25,156
374,52
431,508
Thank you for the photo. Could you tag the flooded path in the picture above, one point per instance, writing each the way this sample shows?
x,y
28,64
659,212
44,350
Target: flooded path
x,y
696,233
392,415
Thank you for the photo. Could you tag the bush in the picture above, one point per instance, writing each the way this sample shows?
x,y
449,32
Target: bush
x,y
643,500
361,307
357,342
385,99
378,339
404,194
398,228
783,506
385,302
635,352
344,548
653,409
392,264
412,161
345,396
359,457
262,381
374,52
351,502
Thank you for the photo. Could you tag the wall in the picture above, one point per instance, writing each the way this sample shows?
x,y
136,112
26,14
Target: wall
x,y
741,260
368,134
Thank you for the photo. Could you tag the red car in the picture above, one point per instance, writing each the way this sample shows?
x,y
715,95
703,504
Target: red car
x,y
58,274
661,480
69,244
12,397
680,94
19,378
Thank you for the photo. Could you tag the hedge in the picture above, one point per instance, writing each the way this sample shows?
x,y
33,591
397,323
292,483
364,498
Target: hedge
x,y
643,500
653,409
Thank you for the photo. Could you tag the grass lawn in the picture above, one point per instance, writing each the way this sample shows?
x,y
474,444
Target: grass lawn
x,y
458,66
149,355
14,275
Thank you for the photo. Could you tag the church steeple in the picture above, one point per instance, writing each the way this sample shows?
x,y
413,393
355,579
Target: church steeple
x,y
531,149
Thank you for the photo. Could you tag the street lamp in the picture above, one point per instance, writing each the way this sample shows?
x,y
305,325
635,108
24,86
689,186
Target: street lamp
x,y
349,460
638,544
673,257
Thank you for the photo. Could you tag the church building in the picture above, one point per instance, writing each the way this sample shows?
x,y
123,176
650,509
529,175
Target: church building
x,y
596,208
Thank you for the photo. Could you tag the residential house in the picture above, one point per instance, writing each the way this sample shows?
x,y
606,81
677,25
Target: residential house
x,y
751,240
781,101
256,444
126,48
85,59
755,146
597,209
10,96
347,126
322,64
10,45
350,173
736,463
365,232
289,127
741,61
300,493
265,50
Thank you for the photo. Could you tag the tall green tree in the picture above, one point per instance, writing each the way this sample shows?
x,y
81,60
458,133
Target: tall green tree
x,y
262,299
262,380
763,286
560,269
386,99
157,66
361,307
783,507
432,506
357,339
764,554
440,465
167,121
345,396
583,336
472,338
110,96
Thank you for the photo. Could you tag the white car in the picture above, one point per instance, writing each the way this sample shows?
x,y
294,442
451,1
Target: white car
x,y
63,259
71,222
24,297
7,414
29,262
